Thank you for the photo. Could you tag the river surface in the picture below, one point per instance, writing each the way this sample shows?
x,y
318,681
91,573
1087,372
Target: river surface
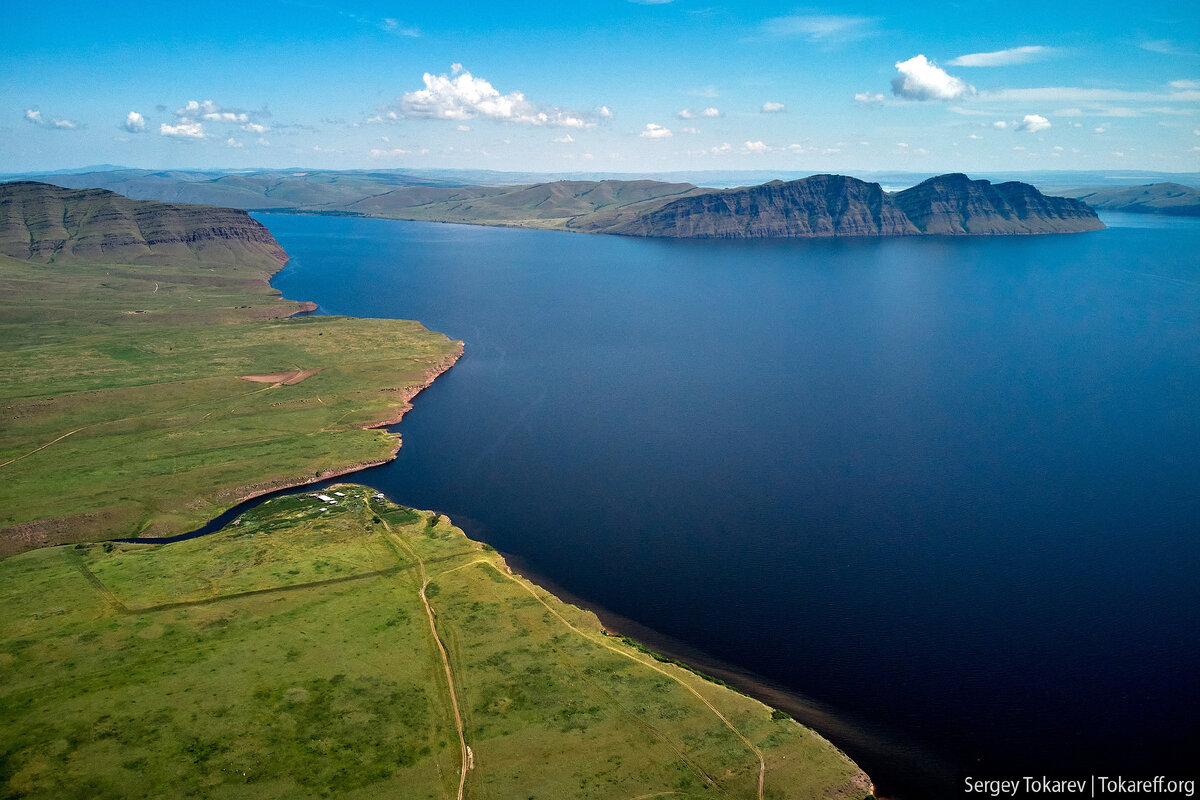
x,y
947,488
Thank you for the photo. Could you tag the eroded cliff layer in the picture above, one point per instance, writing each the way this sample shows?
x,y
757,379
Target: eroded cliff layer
x,y
41,222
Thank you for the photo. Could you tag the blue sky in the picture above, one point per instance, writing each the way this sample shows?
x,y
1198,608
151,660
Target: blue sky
x,y
603,86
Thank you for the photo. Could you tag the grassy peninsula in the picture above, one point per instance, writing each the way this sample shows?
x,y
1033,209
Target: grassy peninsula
x,y
292,655
324,643
150,377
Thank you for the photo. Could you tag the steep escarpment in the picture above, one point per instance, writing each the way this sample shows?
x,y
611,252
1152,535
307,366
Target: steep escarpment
x,y
956,205
41,222
820,206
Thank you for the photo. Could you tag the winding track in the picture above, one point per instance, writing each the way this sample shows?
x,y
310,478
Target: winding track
x,y
468,758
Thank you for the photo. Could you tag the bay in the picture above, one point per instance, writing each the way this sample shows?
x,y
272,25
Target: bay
x,y
946,488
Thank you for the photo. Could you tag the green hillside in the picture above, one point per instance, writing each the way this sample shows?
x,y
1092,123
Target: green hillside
x,y
356,649
150,377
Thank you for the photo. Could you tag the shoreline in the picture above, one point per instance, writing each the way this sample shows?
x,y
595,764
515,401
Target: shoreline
x,y
407,393
908,770
260,492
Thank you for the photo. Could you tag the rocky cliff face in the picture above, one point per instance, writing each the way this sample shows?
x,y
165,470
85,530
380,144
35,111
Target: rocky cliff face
x,y
820,206
40,222
836,205
956,205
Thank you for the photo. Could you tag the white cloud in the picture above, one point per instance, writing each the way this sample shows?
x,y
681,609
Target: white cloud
x,y
1196,132
463,128
1004,58
392,25
868,97
1033,123
1103,128
35,116
773,108
689,130
975,136
604,112
709,112
135,122
653,131
263,142
209,111
1075,94
232,142
184,130
1166,47
395,152
565,139
1001,124
824,28
755,147
1185,84
254,127
463,96
921,80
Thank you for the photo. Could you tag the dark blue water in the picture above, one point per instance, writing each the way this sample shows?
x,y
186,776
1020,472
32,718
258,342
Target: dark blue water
x,y
950,487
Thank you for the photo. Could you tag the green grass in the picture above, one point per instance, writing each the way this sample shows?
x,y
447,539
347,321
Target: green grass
x,y
140,366
293,658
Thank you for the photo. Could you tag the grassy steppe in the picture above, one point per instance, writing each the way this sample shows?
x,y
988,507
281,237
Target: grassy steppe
x,y
122,407
290,656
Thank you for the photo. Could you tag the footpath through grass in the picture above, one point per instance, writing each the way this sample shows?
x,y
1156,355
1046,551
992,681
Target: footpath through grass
x,y
290,656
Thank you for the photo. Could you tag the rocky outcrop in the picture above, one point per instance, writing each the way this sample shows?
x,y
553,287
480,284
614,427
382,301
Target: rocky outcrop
x,y
820,206
41,222
836,205
956,205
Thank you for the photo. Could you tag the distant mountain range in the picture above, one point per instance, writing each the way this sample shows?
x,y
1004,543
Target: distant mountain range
x,y
817,206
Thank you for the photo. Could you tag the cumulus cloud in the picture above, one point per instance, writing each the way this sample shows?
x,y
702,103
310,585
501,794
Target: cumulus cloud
x,y
209,111
564,139
687,113
755,147
821,28
186,129
689,130
135,122
653,131
254,127
1001,124
773,108
919,79
34,116
1033,123
461,96
232,142
868,98
1004,58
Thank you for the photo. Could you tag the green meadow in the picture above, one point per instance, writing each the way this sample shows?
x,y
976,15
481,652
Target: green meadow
x,y
123,408
291,655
